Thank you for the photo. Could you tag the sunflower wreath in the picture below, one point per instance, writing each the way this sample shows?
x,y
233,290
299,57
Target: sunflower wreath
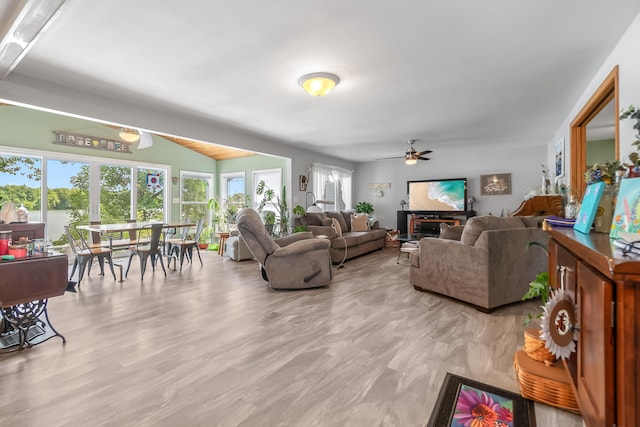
x,y
559,326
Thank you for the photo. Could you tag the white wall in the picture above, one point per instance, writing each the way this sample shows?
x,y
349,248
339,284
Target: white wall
x,y
626,56
524,164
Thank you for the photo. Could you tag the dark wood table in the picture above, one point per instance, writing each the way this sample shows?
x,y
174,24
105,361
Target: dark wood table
x,y
25,288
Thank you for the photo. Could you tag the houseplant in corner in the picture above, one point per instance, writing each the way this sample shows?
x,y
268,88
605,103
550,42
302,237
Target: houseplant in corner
x,y
279,203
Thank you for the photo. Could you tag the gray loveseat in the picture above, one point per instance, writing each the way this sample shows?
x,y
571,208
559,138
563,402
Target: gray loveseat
x,y
489,266
352,243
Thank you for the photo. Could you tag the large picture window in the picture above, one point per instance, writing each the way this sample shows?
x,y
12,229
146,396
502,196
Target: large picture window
x,y
196,189
332,183
79,188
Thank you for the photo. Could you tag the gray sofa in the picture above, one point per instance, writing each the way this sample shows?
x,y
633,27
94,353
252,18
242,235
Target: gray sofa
x,y
352,243
489,266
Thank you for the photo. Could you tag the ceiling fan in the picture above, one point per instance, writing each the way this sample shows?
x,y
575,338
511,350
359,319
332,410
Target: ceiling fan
x,y
412,156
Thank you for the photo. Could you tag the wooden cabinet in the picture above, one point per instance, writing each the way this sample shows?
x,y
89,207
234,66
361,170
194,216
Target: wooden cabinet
x,y
605,369
29,230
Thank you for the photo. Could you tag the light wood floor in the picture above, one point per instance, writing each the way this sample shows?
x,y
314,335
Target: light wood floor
x,y
214,346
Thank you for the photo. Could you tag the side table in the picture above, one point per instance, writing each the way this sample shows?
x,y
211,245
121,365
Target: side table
x,y
222,240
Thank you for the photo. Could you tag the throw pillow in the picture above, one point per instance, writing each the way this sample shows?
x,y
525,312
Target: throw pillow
x,y
359,223
336,226
346,215
339,218
450,232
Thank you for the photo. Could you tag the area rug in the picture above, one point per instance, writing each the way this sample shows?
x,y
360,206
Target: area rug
x,y
464,402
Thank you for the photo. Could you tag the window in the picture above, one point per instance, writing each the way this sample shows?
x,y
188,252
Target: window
x,y
272,179
196,189
232,184
21,178
332,183
62,189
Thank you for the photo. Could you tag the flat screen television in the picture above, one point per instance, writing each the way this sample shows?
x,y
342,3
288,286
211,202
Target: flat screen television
x,y
440,196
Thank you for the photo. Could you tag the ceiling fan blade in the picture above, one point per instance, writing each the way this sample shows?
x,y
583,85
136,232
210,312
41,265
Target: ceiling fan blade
x,y
145,140
424,152
424,158
389,158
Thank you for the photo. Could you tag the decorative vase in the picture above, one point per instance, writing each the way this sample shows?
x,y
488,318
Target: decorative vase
x,y
634,172
23,213
572,208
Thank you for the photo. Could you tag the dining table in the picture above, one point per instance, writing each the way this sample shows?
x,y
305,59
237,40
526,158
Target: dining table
x,y
131,228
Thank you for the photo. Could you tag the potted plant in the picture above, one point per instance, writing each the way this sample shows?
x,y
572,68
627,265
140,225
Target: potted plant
x,y
279,203
364,207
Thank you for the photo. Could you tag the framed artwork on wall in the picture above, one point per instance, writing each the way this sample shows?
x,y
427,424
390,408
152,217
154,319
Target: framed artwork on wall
x,y
559,158
495,184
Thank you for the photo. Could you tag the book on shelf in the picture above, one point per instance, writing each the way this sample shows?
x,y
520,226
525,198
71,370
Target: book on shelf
x,y
558,221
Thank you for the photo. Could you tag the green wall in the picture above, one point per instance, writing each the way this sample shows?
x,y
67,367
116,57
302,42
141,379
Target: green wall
x,y
33,129
600,151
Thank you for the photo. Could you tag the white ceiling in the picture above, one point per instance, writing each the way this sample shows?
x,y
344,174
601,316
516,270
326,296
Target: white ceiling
x,y
444,72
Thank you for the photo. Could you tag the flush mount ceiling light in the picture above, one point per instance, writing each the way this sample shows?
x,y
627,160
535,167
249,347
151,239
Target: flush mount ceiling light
x,y
129,135
318,84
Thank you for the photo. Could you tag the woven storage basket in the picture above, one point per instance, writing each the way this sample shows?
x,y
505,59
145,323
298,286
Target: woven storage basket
x,y
391,240
534,347
546,384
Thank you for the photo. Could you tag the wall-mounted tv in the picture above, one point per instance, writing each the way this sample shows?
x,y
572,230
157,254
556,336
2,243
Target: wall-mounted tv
x,y
438,195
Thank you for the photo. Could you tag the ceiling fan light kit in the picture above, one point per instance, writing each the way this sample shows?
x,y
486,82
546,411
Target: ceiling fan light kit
x,y
129,135
318,84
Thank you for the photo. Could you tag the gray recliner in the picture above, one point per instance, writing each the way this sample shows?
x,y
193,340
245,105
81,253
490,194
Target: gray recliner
x,y
297,261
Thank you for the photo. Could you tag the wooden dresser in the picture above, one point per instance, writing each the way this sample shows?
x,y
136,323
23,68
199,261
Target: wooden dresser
x,y
605,286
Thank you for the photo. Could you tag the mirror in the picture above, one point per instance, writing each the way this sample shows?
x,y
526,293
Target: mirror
x,y
601,136
596,122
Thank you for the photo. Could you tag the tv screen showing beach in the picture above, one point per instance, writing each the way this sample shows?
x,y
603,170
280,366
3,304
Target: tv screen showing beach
x,y
444,195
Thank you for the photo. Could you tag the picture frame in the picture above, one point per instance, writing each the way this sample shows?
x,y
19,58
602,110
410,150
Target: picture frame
x,y
559,158
589,207
625,216
496,184
457,396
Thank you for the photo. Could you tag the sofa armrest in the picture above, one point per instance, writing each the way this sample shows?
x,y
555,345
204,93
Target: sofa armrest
x,y
445,254
300,247
295,237
319,230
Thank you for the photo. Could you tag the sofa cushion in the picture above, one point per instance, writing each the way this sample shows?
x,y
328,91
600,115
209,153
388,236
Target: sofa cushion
x,y
340,219
477,224
315,218
451,232
336,226
351,239
346,214
359,222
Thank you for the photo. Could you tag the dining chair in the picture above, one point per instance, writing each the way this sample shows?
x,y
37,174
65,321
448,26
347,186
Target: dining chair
x,y
185,245
85,253
149,245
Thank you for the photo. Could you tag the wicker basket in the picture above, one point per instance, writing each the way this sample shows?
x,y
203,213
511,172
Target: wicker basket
x,y
550,385
392,239
534,347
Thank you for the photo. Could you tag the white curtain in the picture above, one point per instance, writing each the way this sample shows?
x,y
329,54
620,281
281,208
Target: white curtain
x,y
338,179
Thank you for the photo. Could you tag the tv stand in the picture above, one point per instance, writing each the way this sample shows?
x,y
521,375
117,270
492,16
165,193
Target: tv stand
x,y
428,221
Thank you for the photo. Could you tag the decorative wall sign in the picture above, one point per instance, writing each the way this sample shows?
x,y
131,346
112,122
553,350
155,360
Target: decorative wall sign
x,y
153,182
495,184
94,142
